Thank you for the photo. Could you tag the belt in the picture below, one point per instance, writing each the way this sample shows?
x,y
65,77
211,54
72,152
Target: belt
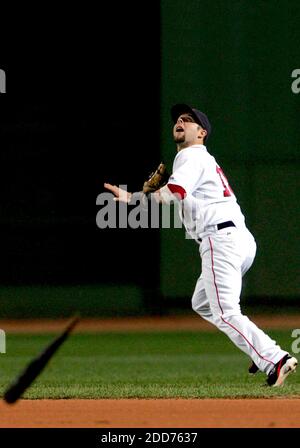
x,y
225,224
222,225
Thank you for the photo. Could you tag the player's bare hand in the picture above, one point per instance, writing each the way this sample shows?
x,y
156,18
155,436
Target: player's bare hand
x,y
120,194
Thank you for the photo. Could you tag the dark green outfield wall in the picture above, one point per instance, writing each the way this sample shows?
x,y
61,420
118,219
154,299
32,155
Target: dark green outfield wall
x,y
233,60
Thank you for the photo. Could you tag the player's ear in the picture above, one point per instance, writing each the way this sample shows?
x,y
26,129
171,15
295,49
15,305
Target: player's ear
x,y
202,133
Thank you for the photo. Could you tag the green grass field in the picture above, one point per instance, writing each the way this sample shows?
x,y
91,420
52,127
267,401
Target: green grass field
x,y
142,365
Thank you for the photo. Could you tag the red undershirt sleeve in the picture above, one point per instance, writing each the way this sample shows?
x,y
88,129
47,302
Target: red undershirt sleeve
x,y
177,190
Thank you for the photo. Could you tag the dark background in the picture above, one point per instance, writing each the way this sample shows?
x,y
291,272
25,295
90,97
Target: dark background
x,y
234,59
81,108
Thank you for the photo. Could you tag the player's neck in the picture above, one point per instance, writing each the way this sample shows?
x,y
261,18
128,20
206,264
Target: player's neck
x,y
183,145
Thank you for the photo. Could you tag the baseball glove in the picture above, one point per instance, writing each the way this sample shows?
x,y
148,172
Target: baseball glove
x,y
157,179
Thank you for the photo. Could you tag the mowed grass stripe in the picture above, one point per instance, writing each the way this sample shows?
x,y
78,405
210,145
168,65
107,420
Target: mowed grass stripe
x,y
141,365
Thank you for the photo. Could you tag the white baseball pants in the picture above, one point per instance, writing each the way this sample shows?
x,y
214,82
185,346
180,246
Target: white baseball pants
x,y
226,255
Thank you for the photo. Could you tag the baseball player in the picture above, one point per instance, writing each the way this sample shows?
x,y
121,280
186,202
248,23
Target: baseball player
x,y
213,218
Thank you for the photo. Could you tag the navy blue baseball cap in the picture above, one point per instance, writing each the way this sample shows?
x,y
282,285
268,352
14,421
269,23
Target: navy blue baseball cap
x,y
198,116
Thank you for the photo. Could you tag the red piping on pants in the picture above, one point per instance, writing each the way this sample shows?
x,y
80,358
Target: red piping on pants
x,y
218,297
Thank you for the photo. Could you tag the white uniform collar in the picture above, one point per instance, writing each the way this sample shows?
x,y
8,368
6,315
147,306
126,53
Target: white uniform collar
x,y
197,146
193,146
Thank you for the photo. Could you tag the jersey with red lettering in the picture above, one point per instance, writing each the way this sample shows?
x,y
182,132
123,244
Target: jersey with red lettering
x,y
208,198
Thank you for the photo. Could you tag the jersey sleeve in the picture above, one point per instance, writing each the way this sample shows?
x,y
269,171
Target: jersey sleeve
x,y
188,169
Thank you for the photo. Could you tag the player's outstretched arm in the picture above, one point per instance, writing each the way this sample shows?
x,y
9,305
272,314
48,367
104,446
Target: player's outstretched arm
x,y
120,194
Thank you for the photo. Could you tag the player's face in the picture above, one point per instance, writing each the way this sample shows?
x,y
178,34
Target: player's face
x,y
186,130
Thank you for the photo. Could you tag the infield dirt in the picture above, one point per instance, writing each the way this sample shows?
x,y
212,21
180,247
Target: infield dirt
x,y
181,413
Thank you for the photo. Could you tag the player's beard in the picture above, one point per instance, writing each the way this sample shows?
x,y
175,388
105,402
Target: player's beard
x,y
179,138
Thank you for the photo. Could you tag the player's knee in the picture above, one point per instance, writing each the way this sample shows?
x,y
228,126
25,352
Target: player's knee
x,y
203,310
195,304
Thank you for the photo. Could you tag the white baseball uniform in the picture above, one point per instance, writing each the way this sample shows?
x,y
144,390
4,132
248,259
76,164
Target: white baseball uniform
x,y
212,216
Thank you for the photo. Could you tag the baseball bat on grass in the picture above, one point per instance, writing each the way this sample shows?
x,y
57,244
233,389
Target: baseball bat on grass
x,y
34,368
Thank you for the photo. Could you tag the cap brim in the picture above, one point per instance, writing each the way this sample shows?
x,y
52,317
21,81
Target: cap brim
x,y
180,109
